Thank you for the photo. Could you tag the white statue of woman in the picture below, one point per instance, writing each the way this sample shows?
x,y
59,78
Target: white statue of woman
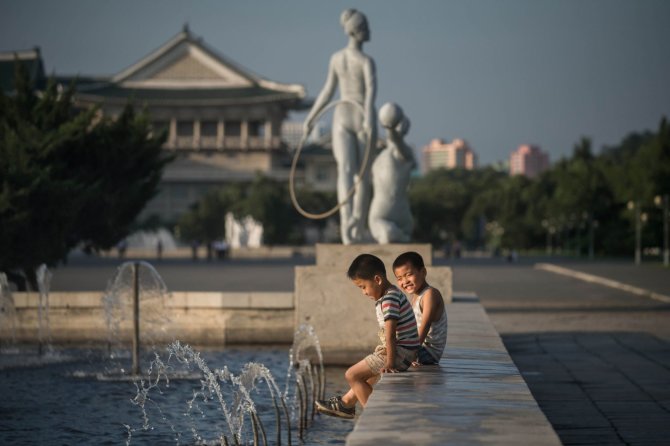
x,y
354,73
390,214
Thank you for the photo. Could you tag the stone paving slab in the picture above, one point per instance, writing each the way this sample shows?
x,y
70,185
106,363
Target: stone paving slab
x,y
476,396
599,388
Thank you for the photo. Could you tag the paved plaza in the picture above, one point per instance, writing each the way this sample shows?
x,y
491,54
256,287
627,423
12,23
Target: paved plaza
x,y
596,359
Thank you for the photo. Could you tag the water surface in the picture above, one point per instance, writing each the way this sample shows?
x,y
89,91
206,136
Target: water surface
x,y
74,397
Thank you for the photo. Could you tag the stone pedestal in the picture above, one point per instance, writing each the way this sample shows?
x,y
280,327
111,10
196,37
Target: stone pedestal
x,y
343,318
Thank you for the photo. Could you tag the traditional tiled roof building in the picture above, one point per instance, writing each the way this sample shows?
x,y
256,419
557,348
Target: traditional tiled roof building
x,y
223,122
31,59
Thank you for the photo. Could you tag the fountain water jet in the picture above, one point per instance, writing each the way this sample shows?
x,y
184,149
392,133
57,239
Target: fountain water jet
x,y
211,389
43,276
137,295
304,342
231,395
7,310
251,373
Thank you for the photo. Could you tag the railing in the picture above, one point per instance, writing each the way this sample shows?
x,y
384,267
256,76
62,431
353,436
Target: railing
x,y
208,142
229,142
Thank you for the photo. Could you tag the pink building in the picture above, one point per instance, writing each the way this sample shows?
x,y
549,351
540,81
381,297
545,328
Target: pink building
x,y
457,153
528,160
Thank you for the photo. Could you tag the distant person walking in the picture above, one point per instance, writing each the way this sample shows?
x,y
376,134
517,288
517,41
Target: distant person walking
x,y
121,247
194,249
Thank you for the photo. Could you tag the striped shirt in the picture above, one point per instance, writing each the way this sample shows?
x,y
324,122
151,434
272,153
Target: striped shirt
x,y
394,305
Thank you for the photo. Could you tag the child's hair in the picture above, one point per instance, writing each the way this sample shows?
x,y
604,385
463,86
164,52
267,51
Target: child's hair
x,y
366,266
411,257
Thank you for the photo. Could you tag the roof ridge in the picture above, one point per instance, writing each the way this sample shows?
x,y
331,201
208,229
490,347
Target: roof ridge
x,y
187,36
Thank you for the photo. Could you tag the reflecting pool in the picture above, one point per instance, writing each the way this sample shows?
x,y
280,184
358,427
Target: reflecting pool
x,y
83,397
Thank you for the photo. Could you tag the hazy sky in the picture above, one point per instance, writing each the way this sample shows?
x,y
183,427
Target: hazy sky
x,y
497,73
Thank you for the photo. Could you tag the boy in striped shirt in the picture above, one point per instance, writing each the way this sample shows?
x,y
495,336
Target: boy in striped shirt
x,y
397,332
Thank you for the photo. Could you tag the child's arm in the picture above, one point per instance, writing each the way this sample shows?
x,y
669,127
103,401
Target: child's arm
x,y
432,304
389,330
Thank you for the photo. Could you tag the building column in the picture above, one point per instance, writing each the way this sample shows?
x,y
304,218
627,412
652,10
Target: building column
x,y
268,134
244,134
196,134
172,133
220,134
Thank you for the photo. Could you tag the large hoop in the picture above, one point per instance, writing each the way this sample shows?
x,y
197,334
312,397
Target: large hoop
x,y
296,156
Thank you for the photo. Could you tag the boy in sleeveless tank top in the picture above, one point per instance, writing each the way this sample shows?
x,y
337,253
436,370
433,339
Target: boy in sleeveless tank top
x,y
428,306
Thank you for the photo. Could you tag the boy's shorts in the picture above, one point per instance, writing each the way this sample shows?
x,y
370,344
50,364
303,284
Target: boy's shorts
x,y
377,360
423,357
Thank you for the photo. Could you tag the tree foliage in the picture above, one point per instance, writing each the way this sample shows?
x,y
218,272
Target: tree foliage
x,y
581,196
206,219
69,177
440,201
264,199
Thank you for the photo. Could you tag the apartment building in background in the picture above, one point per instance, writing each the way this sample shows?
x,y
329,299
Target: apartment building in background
x,y
528,160
451,155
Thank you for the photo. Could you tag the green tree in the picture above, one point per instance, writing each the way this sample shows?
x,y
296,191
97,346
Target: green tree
x,y
582,195
637,169
650,177
264,199
505,208
68,177
653,164
206,221
441,202
438,202
268,202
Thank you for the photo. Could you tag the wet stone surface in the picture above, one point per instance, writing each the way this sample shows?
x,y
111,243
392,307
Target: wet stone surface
x,y
476,396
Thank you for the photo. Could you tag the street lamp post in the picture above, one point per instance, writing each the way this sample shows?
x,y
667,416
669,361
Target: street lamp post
x,y
547,227
663,201
593,224
638,230
579,226
572,223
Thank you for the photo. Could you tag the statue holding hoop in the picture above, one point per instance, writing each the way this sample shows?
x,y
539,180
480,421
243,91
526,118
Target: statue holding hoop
x,y
354,131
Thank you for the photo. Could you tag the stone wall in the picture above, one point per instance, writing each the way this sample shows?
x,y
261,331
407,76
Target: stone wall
x,y
206,319
343,318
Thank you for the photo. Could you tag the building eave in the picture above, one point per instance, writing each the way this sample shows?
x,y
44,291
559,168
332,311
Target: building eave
x,y
185,36
99,100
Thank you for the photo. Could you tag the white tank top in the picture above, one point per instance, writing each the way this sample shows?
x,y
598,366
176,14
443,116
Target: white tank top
x,y
436,339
